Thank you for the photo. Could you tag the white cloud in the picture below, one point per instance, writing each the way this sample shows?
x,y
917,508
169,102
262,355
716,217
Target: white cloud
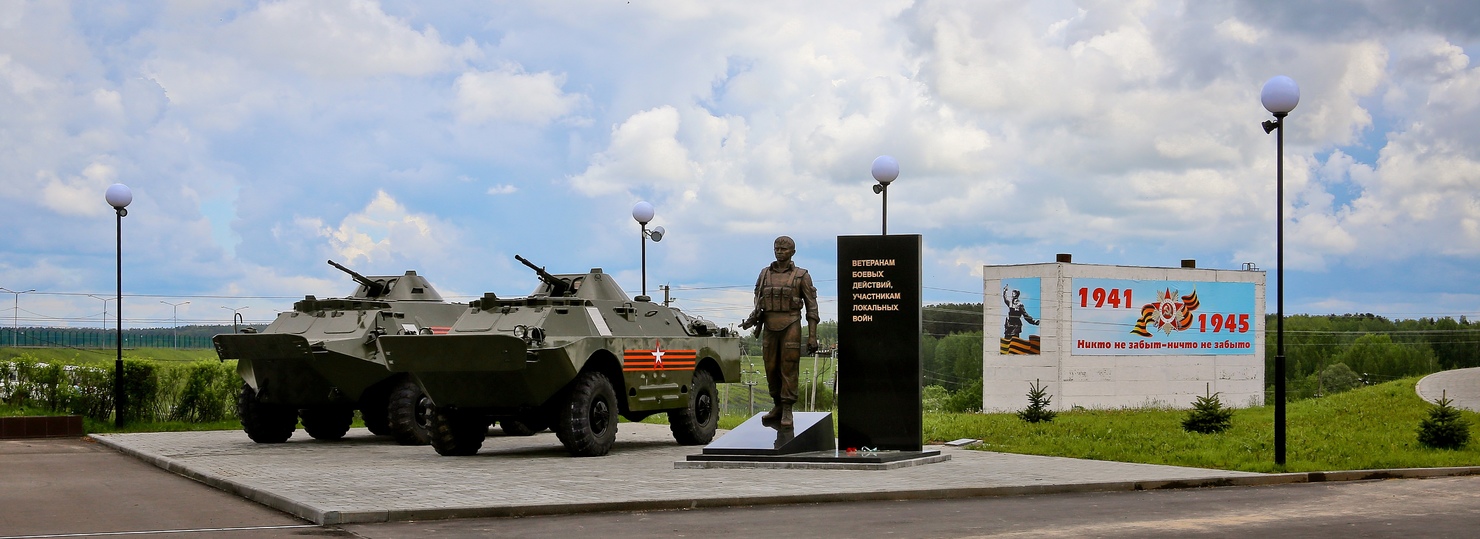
x,y
1123,131
509,94
348,39
384,231
644,151
77,195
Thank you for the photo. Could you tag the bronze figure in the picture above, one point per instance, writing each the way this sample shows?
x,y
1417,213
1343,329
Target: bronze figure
x,y
781,292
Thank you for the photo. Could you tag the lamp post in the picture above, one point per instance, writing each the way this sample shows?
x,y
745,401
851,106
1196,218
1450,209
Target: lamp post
x,y
643,213
175,331
119,196
1279,96
105,307
15,315
885,170
235,316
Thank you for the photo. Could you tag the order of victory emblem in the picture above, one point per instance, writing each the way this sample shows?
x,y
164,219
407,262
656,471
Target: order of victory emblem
x,y
1168,313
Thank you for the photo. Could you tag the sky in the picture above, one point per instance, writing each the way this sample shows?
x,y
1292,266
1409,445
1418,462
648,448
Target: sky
x,y
262,138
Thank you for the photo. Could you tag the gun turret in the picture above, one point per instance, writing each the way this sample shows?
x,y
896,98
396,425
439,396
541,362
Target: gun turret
x,y
557,286
372,288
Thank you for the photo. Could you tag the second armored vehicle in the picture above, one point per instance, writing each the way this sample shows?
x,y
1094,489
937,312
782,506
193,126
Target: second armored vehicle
x,y
573,356
319,362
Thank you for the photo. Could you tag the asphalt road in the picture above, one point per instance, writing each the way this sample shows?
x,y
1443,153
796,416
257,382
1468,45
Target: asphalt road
x,y
1441,507
76,488
73,488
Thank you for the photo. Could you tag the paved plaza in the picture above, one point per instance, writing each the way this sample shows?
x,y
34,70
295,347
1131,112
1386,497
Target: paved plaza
x,y
364,478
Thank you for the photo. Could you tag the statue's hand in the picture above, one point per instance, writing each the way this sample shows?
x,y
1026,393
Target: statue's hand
x,y
811,345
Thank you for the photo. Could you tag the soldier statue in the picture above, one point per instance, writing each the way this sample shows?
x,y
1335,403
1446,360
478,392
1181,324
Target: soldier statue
x,y
781,291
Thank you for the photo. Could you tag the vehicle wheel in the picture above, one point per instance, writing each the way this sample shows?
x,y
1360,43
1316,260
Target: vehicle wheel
x,y
373,410
410,414
695,423
265,423
455,433
588,420
327,422
528,425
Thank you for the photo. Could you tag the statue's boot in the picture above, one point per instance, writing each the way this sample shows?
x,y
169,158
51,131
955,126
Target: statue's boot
x,y
773,414
786,415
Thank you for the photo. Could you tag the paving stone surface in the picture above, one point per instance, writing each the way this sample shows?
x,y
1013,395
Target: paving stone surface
x,y
1460,385
365,478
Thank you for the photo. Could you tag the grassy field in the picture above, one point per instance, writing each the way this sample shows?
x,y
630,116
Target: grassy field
x,y
98,356
1371,427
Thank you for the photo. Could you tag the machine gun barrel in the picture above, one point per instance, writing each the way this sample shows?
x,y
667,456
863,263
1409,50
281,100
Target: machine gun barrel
x,y
372,288
557,286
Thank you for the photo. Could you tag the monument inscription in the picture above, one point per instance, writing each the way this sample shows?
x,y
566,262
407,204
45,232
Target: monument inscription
x,y
879,342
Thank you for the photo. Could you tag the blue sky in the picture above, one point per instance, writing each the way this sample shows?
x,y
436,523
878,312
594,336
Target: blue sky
x,y
262,138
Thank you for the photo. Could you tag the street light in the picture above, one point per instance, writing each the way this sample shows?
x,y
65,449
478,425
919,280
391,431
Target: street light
x,y
235,316
105,301
16,314
105,307
1279,96
175,331
643,213
885,170
119,196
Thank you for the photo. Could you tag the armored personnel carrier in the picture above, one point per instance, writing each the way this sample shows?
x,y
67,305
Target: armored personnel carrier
x,y
573,356
319,362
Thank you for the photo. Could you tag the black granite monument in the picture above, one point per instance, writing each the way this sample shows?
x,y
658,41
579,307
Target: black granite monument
x,y
879,342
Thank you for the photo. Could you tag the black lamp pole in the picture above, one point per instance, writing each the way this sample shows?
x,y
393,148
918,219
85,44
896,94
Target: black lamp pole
x,y
119,196
1279,96
643,238
118,364
885,193
1279,332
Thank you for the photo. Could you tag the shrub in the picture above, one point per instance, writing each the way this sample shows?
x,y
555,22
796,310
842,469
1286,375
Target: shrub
x,y
1338,378
140,388
966,399
1038,402
933,398
1207,416
1444,428
209,389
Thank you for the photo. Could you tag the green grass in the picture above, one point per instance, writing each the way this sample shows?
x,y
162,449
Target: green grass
x,y
99,356
1372,427
90,425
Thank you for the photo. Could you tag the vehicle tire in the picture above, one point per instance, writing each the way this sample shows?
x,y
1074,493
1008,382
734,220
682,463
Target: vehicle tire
x,y
528,425
696,422
588,419
264,423
374,412
455,433
327,422
410,414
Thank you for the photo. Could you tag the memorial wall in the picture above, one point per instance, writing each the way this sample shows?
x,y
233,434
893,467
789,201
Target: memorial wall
x,y
1117,336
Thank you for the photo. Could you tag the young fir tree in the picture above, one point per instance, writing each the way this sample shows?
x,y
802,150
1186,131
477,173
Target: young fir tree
x,y
1038,401
1444,428
1207,416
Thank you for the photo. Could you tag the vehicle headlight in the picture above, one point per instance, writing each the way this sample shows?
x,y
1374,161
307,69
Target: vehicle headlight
x,y
521,331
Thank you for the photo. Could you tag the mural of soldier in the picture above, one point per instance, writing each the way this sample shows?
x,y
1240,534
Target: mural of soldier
x,y
1019,311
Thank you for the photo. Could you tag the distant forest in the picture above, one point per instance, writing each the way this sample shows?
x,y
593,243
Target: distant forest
x,y
1324,353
